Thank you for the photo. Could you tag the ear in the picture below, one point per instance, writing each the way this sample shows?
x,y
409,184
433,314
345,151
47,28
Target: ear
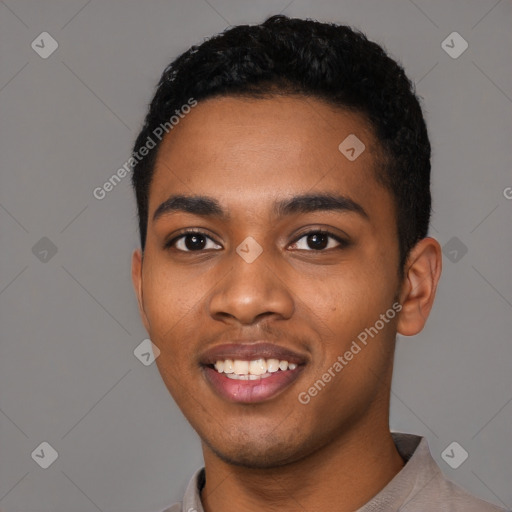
x,y
422,272
137,260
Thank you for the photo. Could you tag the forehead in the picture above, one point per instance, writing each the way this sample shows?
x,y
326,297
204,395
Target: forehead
x,y
248,152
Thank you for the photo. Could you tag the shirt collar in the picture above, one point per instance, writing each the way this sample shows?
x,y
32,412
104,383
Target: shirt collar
x,y
419,469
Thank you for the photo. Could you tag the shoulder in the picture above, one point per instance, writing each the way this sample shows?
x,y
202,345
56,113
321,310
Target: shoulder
x,y
421,486
192,498
446,496
174,508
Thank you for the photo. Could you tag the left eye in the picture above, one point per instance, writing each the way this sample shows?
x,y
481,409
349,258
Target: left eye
x,y
317,241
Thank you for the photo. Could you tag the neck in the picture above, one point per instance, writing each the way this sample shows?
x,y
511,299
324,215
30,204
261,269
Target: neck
x,y
343,475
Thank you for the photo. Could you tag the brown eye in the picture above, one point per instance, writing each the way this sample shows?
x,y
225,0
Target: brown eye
x,y
192,241
318,241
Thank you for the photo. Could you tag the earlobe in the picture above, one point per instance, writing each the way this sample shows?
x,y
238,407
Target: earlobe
x,y
422,273
137,284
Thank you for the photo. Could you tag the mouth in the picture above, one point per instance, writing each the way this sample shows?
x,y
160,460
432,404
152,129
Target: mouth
x,y
251,373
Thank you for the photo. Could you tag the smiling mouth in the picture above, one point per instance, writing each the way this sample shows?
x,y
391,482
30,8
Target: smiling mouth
x,y
255,369
251,372
240,385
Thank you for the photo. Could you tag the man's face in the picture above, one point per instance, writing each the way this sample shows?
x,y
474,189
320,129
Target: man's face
x,y
211,297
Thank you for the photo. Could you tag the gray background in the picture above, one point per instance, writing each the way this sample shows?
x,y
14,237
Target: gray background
x,y
69,321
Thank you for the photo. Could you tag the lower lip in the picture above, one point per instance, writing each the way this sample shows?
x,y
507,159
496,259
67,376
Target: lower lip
x,y
250,391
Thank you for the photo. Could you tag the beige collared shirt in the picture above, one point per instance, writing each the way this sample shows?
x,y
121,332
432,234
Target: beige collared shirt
x,y
419,487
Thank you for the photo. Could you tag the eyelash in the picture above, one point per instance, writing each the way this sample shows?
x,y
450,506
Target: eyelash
x,y
342,243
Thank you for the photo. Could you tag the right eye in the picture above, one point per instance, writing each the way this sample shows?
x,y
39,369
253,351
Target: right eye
x,y
192,241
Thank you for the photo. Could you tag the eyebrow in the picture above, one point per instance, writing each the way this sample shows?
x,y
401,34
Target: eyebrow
x,y
205,206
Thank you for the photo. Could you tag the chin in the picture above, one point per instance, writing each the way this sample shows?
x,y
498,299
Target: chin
x,y
258,452
256,458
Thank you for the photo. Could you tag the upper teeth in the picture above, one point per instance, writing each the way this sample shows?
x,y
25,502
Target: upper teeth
x,y
255,367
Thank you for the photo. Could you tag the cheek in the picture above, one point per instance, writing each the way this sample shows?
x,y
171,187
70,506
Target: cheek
x,y
349,303
172,308
169,296
343,297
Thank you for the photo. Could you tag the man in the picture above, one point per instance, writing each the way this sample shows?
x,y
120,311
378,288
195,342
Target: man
x,y
283,207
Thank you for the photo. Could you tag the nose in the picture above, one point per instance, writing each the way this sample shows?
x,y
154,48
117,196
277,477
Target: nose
x,y
250,292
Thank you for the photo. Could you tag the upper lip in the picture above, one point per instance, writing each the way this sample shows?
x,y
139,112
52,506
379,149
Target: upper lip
x,y
249,352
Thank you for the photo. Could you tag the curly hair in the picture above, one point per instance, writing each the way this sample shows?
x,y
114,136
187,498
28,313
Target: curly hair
x,y
332,62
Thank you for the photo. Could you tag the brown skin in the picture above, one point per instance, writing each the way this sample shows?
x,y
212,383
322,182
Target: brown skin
x,y
336,452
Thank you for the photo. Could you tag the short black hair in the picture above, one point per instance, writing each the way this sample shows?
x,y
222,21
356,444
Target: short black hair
x,y
331,62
